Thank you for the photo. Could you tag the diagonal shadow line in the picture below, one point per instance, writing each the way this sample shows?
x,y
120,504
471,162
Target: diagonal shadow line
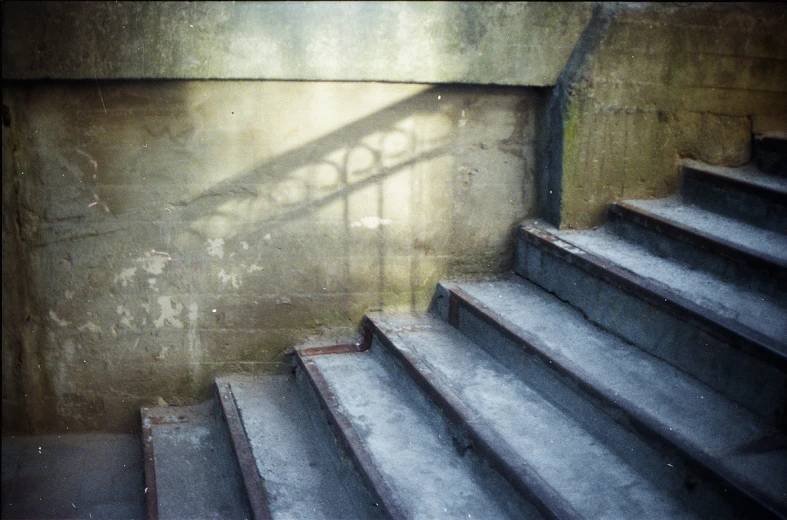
x,y
277,168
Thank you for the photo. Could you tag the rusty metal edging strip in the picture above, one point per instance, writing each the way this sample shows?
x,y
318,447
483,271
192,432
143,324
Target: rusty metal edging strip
x,y
495,449
252,481
639,419
331,349
754,342
349,437
151,491
696,237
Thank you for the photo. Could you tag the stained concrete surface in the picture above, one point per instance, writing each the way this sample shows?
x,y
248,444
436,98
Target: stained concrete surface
x,y
472,42
202,228
82,476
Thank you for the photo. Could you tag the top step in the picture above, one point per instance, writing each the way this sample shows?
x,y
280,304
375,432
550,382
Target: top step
x,y
744,193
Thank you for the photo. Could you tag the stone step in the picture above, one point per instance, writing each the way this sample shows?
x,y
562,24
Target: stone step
x,y
305,473
716,447
406,451
728,336
744,193
545,453
190,468
700,239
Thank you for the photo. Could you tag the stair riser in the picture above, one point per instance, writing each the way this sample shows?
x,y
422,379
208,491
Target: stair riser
x,y
755,206
770,155
739,370
726,263
688,473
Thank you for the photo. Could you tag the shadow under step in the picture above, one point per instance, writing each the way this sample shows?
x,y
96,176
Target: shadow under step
x,y
710,442
190,468
730,249
727,336
304,472
744,193
401,444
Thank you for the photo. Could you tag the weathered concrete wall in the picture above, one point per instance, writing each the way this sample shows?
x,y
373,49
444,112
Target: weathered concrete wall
x,y
172,231
516,43
664,82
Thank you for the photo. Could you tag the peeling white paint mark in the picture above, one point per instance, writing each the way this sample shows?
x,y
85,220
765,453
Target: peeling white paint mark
x,y
169,313
126,276
226,277
69,295
126,316
195,350
371,222
244,245
89,326
93,162
254,268
62,323
267,236
215,247
153,263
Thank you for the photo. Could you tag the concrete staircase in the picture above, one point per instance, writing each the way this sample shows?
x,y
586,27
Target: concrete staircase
x,y
637,370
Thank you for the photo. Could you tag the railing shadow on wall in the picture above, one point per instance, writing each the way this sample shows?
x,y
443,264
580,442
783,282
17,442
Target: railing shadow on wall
x,y
174,239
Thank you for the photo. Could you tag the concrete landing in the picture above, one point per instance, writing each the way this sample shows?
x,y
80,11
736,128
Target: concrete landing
x,y
80,476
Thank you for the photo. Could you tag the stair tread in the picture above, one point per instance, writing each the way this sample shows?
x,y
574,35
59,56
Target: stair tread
x,y
409,446
298,461
682,408
196,476
588,474
752,309
748,173
766,244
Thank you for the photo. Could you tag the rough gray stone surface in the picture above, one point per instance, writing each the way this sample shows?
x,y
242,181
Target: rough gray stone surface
x,y
306,475
577,465
408,442
196,472
688,411
755,310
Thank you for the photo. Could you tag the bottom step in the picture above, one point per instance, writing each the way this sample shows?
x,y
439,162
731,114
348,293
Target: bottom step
x,y
190,469
306,475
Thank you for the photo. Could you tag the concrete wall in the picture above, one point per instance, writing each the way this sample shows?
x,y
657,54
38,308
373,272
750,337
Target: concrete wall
x,y
504,43
156,233
172,231
662,83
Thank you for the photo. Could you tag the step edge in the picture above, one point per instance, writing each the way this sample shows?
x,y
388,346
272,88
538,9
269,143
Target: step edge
x,y
749,340
494,448
253,482
640,419
347,435
722,180
696,237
